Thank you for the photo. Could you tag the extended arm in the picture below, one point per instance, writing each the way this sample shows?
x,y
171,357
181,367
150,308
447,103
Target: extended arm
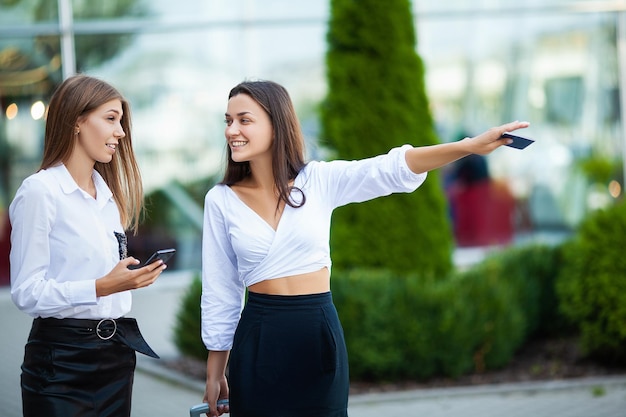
x,y
426,158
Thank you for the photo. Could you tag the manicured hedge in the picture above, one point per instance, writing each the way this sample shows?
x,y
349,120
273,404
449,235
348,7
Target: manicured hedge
x,y
413,327
592,283
532,272
399,327
188,322
408,326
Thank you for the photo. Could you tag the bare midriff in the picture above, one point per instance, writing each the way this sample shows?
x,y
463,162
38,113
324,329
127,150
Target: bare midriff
x,y
301,284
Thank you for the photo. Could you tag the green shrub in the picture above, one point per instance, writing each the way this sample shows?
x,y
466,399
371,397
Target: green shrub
x,y
187,329
592,283
521,281
408,327
532,271
496,316
400,326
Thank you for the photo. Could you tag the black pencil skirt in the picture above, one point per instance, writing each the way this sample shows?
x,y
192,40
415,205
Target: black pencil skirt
x,y
289,359
80,368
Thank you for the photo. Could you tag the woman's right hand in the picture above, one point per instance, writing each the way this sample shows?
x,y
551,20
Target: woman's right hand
x,y
216,390
121,278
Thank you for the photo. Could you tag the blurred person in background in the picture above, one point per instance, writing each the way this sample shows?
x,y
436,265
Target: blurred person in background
x,y
482,208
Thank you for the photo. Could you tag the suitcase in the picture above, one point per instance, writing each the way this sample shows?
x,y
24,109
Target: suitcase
x,y
201,409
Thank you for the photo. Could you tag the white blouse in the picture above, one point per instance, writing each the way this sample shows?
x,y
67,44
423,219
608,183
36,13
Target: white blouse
x,y
62,240
240,249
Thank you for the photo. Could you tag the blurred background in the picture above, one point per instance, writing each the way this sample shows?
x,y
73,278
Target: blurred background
x,y
559,64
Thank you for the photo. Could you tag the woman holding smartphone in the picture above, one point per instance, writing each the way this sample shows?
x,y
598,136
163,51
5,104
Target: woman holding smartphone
x,y
69,266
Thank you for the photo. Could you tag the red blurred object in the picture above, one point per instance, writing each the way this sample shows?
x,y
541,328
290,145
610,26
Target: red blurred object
x,y
482,209
483,213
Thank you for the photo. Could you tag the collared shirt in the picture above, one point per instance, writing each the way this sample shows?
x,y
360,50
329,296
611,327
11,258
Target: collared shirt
x,y
62,240
240,249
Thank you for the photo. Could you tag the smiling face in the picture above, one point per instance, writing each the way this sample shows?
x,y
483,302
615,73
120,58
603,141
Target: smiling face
x,y
249,130
100,132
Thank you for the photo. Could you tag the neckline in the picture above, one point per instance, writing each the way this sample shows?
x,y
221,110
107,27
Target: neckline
x,y
257,215
286,209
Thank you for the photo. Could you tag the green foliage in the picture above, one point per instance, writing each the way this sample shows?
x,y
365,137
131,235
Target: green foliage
x,y
399,327
494,304
159,211
409,326
601,169
592,283
532,271
198,189
377,101
187,329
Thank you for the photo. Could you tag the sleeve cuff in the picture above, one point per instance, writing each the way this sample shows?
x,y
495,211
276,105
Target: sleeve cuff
x,y
82,292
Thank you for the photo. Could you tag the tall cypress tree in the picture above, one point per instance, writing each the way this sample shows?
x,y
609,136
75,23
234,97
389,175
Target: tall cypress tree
x,y
376,101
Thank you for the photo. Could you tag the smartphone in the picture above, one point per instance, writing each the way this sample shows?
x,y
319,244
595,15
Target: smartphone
x,y
162,254
519,142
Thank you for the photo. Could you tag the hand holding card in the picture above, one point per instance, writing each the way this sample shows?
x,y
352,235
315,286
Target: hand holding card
x,y
519,142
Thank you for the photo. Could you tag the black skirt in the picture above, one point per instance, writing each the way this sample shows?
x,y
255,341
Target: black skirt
x,y
75,367
289,359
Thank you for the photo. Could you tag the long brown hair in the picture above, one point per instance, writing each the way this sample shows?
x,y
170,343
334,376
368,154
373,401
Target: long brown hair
x,y
78,96
288,144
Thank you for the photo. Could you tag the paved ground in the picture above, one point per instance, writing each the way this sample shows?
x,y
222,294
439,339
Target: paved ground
x,y
161,393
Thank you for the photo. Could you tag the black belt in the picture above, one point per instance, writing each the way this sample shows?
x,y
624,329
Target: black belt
x,y
124,330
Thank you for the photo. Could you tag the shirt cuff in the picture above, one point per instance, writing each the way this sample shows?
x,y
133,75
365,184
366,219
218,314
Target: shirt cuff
x,y
82,292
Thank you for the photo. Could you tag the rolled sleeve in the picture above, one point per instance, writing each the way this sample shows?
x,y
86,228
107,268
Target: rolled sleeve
x,y
366,179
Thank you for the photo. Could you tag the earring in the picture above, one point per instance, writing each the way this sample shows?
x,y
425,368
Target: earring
x,y
76,131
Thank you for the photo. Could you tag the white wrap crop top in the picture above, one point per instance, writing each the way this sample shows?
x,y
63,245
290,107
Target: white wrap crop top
x,y
240,249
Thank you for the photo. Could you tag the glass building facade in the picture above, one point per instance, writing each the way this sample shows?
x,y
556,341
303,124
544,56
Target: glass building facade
x,y
557,64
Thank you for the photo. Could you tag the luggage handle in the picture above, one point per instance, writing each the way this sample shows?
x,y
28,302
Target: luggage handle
x,y
198,409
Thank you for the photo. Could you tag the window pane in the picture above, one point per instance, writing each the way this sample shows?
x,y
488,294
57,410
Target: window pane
x,y
559,71
93,51
15,12
89,9
29,71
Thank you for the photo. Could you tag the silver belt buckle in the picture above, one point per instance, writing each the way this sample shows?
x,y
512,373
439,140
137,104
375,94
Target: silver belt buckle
x,y
99,330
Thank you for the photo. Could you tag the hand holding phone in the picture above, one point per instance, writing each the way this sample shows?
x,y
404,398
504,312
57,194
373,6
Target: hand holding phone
x,y
519,142
162,254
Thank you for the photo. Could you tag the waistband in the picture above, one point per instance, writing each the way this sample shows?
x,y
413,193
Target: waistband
x,y
290,301
124,330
